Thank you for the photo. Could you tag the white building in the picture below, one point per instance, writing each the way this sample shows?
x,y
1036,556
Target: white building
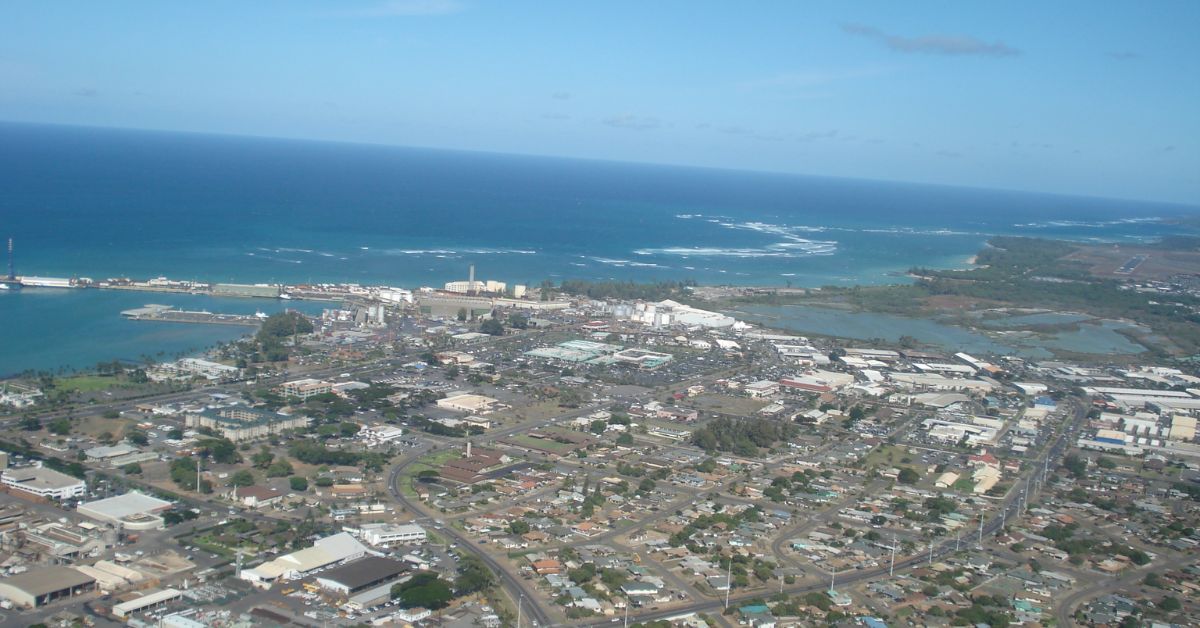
x,y
43,482
389,534
328,551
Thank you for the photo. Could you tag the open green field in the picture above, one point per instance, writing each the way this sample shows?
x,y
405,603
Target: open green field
x,y
88,383
432,462
885,455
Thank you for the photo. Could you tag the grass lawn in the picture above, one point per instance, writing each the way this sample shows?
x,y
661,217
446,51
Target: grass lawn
x,y
433,462
885,456
88,383
964,484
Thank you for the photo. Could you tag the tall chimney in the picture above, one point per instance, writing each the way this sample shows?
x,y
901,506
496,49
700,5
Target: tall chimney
x,y
468,449
471,280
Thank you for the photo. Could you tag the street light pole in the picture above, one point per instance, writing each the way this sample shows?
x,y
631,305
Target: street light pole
x,y
519,601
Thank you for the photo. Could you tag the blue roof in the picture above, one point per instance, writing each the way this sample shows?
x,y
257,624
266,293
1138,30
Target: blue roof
x,y
874,622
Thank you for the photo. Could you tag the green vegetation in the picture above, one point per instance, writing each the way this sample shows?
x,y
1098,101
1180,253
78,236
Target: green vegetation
x,y
313,453
743,437
275,330
424,590
626,290
473,576
1022,272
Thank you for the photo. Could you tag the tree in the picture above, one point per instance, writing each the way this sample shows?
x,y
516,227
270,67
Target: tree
x,y
625,439
462,313
518,526
62,426
492,327
1076,466
518,321
221,450
424,589
111,414
30,424
263,458
298,483
175,433
473,576
132,468
1170,604
646,485
908,476
242,478
598,426
279,468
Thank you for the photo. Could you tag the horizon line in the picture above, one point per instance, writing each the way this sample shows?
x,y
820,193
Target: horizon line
x,y
1195,206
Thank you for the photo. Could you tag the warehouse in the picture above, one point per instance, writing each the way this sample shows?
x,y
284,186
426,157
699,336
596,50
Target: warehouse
x,y
360,575
131,511
146,601
328,551
38,588
466,402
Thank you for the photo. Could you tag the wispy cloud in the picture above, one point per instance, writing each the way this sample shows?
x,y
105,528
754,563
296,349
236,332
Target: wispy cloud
x,y
555,116
561,95
408,8
636,123
86,92
961,45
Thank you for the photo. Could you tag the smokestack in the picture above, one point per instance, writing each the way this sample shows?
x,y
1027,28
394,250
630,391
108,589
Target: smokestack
x,y
468,449
471,280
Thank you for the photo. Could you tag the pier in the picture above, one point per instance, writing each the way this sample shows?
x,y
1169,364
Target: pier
x,y
169,314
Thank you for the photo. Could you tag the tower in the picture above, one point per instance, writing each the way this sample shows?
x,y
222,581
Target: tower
x,y
470,277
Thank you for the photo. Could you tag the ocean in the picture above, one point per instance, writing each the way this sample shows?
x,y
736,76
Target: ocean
x,y
99,203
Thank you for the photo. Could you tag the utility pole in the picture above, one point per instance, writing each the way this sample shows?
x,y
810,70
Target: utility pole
x,y
197,474
728,581
832,579
519,600
957,539
892,569
626,613
981,530
930,551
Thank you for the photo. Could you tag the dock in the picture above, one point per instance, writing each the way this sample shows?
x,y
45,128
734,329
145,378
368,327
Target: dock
x,y
169,314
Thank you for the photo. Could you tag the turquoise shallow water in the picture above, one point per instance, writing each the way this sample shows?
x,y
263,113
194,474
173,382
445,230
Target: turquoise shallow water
x,y
111,203
82,327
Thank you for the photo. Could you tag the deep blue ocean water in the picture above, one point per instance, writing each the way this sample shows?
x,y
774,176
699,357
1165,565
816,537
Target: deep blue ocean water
x,y
105,203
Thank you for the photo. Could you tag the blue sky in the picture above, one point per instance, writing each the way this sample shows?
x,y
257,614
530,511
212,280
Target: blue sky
x,y
1093,98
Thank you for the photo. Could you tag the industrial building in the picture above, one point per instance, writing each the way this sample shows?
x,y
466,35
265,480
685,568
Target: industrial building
x,y
40,587
326,552
466,402
245,290
360,575
43,482
145,601
131,511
